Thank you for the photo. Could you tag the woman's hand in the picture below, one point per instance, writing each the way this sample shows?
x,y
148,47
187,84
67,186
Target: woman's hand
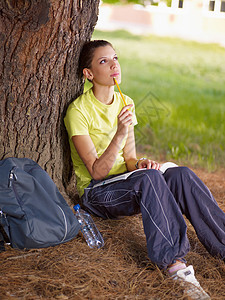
x,y
149,164
124,120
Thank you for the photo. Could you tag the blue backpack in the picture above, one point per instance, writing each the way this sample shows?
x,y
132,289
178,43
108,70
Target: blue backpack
x,y
33,213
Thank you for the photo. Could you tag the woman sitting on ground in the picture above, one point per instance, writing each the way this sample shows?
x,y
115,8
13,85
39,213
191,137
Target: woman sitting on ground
x,y
101,136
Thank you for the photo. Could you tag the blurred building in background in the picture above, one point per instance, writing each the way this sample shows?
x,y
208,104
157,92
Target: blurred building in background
x,y
198,20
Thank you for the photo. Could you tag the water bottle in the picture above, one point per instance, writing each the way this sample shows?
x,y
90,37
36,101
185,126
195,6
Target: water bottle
x,y
88,228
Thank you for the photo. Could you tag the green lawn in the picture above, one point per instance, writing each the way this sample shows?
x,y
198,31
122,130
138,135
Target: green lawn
x,y
179,91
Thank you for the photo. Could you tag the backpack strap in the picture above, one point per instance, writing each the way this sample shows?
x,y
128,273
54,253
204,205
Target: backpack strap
x,y
2,243
3,235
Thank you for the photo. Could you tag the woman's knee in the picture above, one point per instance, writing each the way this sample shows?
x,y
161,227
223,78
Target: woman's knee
x,y
152,177
177,171
179,175
146,178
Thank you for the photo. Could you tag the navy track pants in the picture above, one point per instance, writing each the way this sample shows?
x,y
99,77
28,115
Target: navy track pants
x,y
162,200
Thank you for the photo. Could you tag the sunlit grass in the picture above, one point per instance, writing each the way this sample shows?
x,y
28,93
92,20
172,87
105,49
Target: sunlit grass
x,y
179,91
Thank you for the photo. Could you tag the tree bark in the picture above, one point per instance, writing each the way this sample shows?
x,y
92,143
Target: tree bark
x,y
40,42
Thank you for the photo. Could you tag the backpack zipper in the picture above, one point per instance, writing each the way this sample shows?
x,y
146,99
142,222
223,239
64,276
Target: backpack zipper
x,y
12,176
64,222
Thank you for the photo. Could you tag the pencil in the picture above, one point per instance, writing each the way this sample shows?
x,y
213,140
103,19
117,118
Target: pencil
x,y
120,91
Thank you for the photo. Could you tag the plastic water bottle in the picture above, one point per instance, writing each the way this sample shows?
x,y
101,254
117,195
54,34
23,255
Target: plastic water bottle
x,y
88,228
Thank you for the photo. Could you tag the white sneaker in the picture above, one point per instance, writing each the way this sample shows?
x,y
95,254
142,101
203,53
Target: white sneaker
x,y
190,283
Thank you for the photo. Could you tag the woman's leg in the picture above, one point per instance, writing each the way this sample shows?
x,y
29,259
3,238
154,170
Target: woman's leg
x,y
199,206
145,191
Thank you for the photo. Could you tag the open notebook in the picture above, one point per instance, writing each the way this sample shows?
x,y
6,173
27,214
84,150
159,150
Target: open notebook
x,y
124,176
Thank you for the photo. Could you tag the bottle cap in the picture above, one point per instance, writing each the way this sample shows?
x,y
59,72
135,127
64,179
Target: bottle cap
x,y
76,207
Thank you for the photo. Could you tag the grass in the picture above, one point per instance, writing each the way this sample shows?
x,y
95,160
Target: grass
x,y
179,91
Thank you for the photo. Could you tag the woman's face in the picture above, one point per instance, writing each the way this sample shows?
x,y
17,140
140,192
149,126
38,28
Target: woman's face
x,y
104,67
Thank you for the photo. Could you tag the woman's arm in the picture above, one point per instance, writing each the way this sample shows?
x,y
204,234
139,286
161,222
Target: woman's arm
x,y
129,151
130,155
99,167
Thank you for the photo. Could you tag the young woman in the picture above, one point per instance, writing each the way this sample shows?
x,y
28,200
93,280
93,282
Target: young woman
x,y
101,136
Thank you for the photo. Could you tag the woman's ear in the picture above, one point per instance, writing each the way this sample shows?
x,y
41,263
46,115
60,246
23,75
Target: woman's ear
x,y
88,74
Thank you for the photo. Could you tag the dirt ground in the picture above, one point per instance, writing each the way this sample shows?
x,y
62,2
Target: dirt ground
x,y
120,270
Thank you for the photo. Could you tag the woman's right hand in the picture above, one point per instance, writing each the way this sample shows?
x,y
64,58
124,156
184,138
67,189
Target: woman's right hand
x,y
125,119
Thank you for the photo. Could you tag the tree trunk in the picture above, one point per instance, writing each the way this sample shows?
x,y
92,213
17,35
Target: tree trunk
x,y
40,42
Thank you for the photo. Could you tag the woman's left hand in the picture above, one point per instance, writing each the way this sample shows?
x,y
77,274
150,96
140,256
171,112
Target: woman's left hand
x,y
149,164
